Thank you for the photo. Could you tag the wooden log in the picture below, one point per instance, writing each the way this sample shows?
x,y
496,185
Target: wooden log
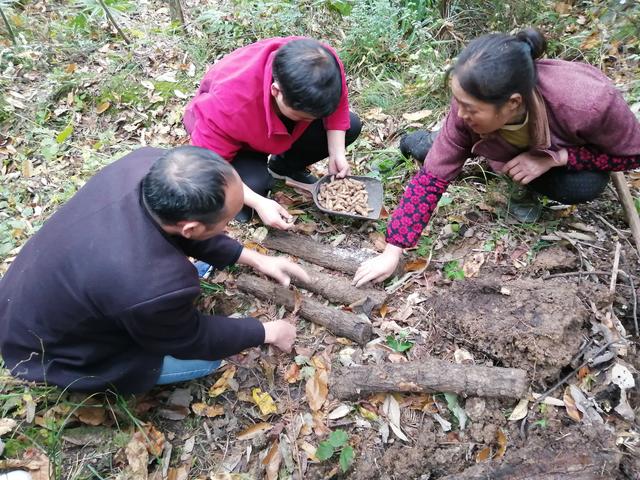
x,y
327,256
339,322
620,183
338,289
429,376
576,455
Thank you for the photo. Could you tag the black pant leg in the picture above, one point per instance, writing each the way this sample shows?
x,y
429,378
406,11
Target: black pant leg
x,y
570,187
252,168
312,146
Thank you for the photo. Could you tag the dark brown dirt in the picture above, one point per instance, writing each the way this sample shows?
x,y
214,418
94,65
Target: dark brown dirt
x,y
525,323
555,259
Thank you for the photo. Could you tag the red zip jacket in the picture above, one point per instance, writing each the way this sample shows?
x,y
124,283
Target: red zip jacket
x,y
233,110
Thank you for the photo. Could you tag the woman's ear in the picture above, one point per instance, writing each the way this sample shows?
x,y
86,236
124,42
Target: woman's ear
x,y
515,102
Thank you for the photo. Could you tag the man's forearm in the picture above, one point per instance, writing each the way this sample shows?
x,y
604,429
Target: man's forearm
x,y
249,257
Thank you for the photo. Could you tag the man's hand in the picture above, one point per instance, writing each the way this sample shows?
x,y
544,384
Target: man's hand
x,y
526,167
378,268
273,214
280,333
281,269
339,166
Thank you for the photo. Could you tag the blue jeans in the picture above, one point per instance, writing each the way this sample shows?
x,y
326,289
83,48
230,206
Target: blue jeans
x,y
175,370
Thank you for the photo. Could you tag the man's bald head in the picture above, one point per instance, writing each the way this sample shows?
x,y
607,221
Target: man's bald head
x,y
188,183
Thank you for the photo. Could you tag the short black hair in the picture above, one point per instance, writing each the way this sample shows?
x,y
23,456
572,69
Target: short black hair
x,y
493,67
309,77
187,183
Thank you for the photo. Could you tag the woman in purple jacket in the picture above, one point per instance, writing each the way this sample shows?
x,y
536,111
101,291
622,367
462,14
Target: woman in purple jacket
x,y
558,127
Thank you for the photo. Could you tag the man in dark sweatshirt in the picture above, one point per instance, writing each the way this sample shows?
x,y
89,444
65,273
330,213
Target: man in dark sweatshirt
x,y
102,296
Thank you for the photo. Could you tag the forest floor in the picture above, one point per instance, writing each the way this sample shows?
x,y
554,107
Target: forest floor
x,y
479,289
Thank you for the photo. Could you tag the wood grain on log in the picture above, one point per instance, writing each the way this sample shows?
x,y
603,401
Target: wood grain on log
x,y
327,256
339,322
429,376
338,289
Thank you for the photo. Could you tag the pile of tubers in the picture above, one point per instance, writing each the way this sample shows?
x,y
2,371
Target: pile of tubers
x,y
345,196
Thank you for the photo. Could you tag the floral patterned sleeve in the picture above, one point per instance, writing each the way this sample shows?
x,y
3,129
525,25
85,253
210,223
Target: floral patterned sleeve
x,y
415,208
586,158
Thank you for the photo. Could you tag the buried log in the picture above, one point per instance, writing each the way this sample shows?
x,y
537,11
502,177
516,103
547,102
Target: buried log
x,y
337,289
327,256
339,322
430,375
583,452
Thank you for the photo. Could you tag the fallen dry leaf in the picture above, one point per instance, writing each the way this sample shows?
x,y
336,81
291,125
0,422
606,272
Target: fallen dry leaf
x,y
6,425
256,247
272,461
254,430
103,107
384,309
292,373
415,116
472,265
502,444
483,455
415,266
137,457
520,411
91,415
33,460
570,406
209,411
264,402
222,383
339,412
379,241
317,388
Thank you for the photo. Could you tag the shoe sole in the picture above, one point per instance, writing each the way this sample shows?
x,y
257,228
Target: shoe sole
x,y
277,176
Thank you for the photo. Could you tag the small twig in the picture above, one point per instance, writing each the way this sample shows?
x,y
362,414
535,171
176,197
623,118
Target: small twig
x,y
620,182
571,274
635,301
614,270
8,25
523,425
113,22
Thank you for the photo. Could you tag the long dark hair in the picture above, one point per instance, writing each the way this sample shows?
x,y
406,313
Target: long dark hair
x,y
493,67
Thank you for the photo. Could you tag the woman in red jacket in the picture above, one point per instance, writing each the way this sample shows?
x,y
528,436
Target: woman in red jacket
x,y
558,127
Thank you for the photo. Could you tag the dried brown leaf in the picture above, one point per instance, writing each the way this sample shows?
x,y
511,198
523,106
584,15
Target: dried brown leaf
x,y
222,383
254,430
209,411
272,461
91,415
483,455
570,405
502,443
317,388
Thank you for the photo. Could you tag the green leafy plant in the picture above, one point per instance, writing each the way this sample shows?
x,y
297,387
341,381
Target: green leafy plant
x,y
337,442
399,342
453,271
